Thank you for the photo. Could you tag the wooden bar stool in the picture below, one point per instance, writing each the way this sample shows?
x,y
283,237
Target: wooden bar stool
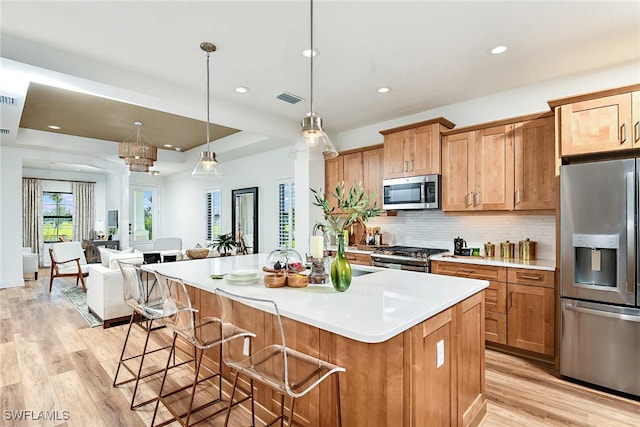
x,y
286,371
202,333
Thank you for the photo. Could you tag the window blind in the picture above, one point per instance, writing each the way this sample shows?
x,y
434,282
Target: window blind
x,y
286,213
212,214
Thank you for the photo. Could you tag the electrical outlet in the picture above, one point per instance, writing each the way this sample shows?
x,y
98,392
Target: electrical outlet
x,y
245,348
440,353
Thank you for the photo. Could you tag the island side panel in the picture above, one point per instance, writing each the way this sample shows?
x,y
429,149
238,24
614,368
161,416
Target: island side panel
x,y
432,386
472,403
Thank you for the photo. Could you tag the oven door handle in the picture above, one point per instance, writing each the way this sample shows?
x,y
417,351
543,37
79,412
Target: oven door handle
x,y
423,197
600,313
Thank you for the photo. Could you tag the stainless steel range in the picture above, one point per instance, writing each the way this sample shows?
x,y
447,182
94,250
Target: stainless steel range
x,y
405,257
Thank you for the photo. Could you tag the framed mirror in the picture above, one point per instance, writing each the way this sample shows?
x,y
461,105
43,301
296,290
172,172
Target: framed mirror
x,y
244,219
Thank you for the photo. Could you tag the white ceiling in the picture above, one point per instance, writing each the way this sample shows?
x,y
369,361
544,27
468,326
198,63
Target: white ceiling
x,y
430,53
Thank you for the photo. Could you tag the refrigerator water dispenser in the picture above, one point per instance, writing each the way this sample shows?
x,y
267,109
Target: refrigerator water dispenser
x,y
596,259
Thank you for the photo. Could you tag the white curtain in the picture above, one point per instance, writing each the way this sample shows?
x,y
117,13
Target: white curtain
x,y
32,216
84,212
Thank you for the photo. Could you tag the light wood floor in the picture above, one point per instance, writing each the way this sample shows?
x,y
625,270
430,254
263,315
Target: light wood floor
x,y
51,361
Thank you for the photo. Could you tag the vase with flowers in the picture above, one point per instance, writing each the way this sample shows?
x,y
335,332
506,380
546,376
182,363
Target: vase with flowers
x,y
352,206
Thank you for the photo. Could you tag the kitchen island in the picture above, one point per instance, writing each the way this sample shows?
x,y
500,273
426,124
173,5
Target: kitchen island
x,y
385,331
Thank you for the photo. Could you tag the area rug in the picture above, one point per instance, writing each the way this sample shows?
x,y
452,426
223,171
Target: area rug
x,y
78,299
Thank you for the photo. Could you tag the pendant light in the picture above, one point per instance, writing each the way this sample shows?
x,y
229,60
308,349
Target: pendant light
x,y
139,155
208,166
314,140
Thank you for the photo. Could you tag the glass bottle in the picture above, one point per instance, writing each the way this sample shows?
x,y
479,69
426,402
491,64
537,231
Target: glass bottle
x,y
340,267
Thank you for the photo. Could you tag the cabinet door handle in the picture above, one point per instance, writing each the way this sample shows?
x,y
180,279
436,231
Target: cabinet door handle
x,y
464,271
411,164
636,129
476,199
406,166
510,299
467,203
623,133
518,196
525,276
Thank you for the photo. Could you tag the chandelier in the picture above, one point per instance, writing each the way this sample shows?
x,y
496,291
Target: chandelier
x,y
314,140
139,155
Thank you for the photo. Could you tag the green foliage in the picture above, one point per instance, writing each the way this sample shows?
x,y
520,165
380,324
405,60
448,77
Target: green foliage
x,y
224,243
353,206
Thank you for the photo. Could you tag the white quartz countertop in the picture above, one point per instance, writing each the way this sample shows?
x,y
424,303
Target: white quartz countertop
x,y
534,264
376,307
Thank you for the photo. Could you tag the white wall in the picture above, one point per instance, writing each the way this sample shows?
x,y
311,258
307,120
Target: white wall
x,y
517,102
183,207
10,218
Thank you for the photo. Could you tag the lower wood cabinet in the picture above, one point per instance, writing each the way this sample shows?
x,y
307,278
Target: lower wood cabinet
x,y
355,257
520,304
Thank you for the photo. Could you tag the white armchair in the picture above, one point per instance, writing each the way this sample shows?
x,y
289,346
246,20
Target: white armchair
x,y
68,260
29,262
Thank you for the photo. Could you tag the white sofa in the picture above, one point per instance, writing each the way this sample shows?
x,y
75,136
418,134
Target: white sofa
x,y
105,294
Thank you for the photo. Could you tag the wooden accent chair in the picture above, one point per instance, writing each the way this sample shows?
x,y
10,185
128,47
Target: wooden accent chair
x,y
68,260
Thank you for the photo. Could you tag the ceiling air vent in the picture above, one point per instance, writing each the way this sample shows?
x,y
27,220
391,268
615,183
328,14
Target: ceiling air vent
x,y
288,97
8,100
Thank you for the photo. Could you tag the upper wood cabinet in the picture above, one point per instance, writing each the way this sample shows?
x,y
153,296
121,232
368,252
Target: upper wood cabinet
x,y
352,169
605,121
503,165
333,174
477,170
373,164
413,150
494,168
363,165
534,152
458,171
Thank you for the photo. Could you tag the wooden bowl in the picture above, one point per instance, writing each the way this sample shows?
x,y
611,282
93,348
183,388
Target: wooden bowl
x,y
275,280
297,280
197,253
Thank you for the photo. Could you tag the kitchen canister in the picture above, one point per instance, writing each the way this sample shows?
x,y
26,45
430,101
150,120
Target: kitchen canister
x,y
489,250
527,249
507,249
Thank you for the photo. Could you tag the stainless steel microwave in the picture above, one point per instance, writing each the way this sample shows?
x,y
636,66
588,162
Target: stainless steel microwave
x,y
416,192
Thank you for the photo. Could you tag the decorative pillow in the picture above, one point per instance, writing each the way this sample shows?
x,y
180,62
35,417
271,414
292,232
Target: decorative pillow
x,y
105,254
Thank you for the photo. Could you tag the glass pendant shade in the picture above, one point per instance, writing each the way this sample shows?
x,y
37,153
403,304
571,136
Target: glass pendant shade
x,y
314,141
207,166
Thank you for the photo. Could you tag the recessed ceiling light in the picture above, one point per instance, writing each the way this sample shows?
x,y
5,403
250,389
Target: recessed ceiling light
x,y
384,89
178,149
168,145
242,89
54,127
307,53
498,50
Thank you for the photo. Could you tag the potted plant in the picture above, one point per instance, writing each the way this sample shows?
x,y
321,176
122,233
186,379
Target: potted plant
x,y
224,244
353,206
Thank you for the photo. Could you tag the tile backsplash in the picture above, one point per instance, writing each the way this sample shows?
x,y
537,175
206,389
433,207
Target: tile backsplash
x,y
436,230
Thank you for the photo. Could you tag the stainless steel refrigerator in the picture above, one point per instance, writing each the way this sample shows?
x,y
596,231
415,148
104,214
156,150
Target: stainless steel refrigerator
x,y
600,297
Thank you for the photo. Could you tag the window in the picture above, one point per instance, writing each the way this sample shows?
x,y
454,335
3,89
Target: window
x,y
57,219
212,214
143,212
286,213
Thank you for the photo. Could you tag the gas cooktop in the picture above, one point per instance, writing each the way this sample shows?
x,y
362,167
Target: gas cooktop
x,y
409,251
